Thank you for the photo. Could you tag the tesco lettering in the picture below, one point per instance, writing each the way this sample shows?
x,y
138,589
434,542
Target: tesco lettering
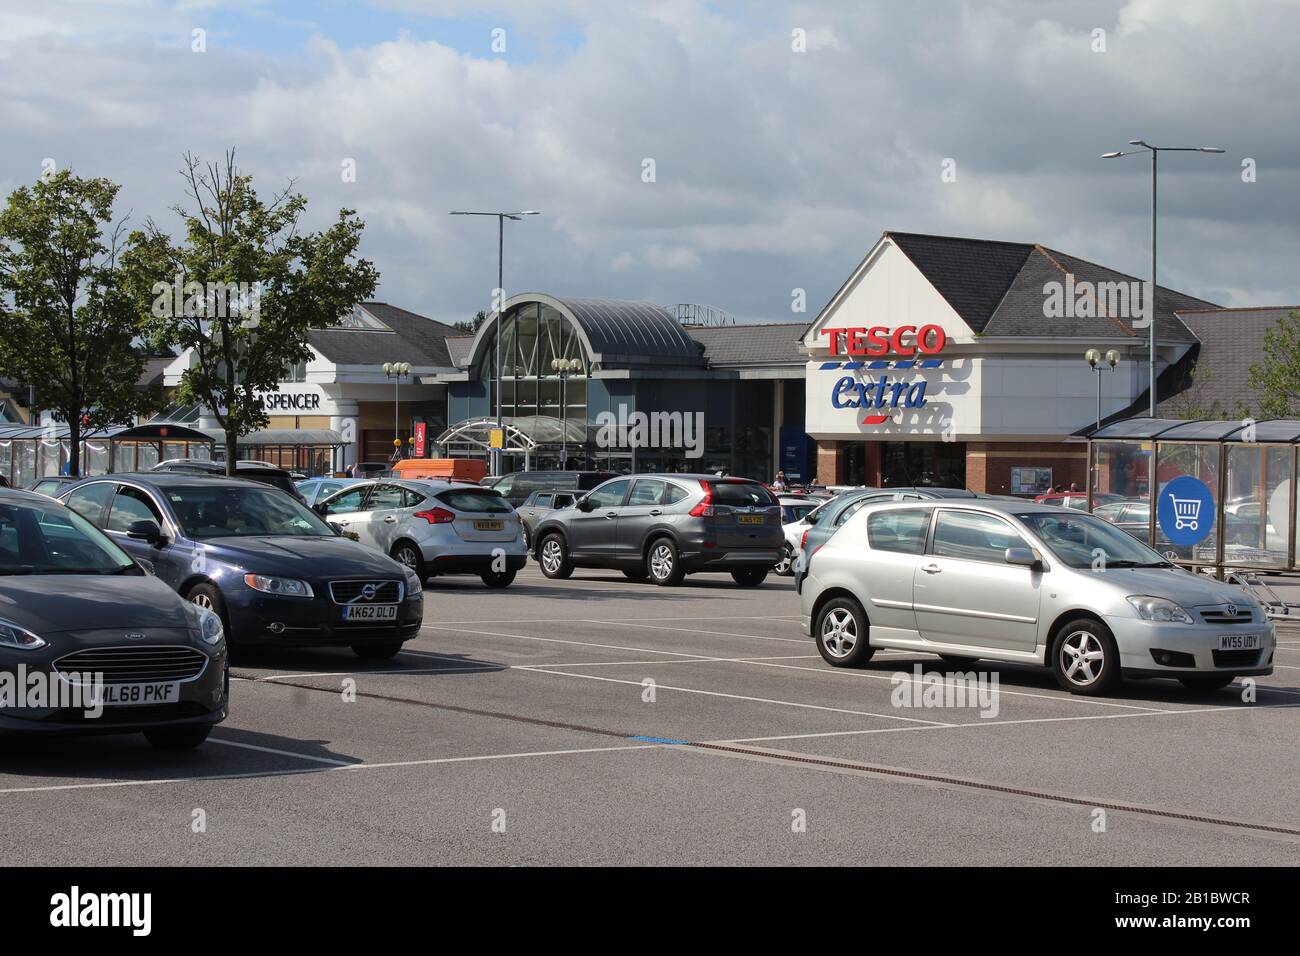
x,y
905,341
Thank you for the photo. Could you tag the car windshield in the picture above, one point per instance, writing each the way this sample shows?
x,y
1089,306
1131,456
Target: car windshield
x,y
225,512
35,539
483,500
790,513
1082,541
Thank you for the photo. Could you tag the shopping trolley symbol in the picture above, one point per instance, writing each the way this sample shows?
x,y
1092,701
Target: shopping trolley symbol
x,y
1187,513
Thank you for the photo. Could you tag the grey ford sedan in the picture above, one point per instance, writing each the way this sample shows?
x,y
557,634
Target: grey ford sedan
x,y
1004,580
90,643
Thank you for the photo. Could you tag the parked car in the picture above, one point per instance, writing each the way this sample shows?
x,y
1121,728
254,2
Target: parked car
x,y
794,509
50,484
540,503
433,527
1133,517
261,471
369,469
1075,500
826,520
73,603
272,570
664,527
313,490
518,486
1006,581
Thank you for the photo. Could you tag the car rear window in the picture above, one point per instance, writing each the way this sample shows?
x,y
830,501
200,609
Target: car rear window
x,y
475,499
742,493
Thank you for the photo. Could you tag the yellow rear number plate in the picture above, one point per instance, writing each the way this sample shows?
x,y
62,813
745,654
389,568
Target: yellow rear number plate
x,y
488,525
750,519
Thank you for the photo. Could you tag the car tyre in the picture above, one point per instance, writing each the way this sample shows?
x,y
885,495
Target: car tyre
x,y
407,554
1207,685
177,738
841,632
663,563
749,577
498,579
377,652
785,567
208,596
553,556
1085,658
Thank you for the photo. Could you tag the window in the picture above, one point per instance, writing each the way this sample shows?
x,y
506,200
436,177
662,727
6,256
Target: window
x,y
902,531
484,500
347,502
129,506
562,500
543,501
505,484
647,491
741,494
674,494
36,539
609,495
223,512
975,537
89,501
385,498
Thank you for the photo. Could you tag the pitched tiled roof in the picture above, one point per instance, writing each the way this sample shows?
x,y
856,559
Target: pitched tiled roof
x,y
413,339
997,288
735,346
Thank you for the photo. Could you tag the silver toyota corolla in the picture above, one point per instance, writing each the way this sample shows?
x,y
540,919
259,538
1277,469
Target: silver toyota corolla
x,y
1009,581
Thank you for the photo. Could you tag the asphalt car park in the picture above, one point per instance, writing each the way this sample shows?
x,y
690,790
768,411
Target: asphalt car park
x,y
602,720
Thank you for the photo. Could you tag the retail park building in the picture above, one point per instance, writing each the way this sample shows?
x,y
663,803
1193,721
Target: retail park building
x,y
944,360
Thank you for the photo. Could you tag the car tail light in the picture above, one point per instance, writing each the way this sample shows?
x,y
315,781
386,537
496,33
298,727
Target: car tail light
x,y
803,542
705,508
436,516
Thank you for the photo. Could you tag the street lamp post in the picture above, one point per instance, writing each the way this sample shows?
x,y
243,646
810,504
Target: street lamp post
x,y
564,368
1095,359
1151,297
395,371
500,309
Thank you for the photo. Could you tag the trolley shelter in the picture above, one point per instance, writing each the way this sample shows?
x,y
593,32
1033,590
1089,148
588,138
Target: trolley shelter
x,y
28,452
1225,491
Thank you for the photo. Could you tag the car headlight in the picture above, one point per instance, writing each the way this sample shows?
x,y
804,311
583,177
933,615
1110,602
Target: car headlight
x,y
11,635
285,587
1158,609
413,585
208,624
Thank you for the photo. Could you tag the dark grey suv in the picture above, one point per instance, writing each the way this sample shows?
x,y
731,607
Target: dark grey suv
x,y
663,527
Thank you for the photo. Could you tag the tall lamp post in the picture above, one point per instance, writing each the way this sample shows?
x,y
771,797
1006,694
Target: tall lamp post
x,y
564,368
395,371
501,291
1095,359
1151,298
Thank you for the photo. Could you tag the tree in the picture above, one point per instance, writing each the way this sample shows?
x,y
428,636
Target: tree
x,y
242,289
67,324
1277,377
467,325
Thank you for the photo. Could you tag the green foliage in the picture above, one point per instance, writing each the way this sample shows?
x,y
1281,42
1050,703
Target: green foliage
x,y
1278,376
242,288
67,324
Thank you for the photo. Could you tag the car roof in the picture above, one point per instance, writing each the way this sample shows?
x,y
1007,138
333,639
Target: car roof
x,y
1007,506
177,479
20,496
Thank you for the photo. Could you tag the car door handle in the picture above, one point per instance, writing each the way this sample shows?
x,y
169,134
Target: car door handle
x,y
931,568
389,519
611,514
656,512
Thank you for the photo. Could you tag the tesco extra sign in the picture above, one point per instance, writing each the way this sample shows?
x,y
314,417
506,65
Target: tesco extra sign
x,y
905,340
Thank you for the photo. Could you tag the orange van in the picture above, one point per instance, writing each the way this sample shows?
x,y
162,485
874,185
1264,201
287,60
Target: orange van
x,y
452,469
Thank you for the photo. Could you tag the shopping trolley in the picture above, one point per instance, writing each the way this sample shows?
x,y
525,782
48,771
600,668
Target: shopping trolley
x,y
1187,513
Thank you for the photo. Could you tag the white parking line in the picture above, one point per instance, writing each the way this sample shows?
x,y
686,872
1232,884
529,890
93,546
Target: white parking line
x,y
557,640
281,753
696,630
542,669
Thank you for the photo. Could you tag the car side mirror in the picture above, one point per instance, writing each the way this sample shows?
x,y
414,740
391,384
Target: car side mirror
x,y
1026,557
321,508
582,504
146,529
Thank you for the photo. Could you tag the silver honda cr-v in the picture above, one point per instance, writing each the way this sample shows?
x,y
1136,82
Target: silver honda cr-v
x,y
1011,581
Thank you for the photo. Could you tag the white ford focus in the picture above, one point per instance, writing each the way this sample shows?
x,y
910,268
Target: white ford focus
x,y
1010,581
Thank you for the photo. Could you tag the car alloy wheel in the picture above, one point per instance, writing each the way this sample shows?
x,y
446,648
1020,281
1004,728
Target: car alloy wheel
x,y
839,633
1082,658
203,601
405,554
661,561
552,557
784,566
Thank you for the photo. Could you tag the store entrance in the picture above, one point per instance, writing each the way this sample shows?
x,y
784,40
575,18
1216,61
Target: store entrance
x,y
917,463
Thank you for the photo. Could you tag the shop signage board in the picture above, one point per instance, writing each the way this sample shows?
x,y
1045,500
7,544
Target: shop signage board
x,y
857,351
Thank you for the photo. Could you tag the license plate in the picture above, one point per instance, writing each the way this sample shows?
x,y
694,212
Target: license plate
x,y
129,695
1239,642
749,519
370,612
489,525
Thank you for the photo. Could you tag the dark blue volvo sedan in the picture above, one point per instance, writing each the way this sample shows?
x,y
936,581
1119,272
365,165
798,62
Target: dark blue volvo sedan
x,y
275,573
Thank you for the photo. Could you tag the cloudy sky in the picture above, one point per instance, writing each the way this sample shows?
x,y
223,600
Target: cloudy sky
x,y
784,136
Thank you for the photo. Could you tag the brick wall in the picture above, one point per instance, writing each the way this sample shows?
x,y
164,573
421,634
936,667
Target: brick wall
x,y
829,464
989,464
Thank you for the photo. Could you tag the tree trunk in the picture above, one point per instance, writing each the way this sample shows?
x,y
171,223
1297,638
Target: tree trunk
x,y
232,446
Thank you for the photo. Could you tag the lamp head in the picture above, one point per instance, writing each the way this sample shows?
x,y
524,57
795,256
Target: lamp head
x,y
1092,357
